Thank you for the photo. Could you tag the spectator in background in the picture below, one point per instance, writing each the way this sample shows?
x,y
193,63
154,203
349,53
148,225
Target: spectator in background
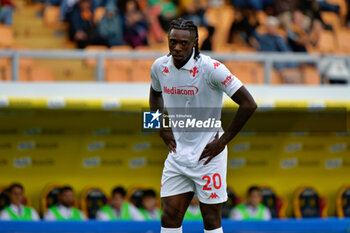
x,y
82,27
283,10
193,212
311,10
243,25
7,7
330,7
164,10
195,10
135,25
271,41
149,209
253,209
111,26
208,42
16,210
299,37
118,208
65,209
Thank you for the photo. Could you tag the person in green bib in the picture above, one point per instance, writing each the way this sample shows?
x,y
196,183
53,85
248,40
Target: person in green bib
x,y
118,208
64,210
253,209
149,209
16,210
193,211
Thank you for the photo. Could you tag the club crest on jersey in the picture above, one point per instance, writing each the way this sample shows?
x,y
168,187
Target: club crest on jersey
x,y
216,64
227,81
194,71
166,70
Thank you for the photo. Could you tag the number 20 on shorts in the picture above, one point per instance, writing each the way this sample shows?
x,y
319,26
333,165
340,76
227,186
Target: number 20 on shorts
x,y
216,181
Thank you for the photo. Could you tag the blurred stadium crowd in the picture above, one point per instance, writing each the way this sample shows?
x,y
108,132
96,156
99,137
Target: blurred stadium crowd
x,y
261,25
307,26
58,203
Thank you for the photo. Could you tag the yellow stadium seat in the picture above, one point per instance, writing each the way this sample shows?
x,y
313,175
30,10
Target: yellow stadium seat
x,y
311,76
51,16
326,43
91,62
98,14
7,38
343,202
41,74
118,74
332,19
247,72
343,39
142,70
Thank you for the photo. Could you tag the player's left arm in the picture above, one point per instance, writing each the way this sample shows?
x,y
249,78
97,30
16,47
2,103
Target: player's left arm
x,y
245,110
222,79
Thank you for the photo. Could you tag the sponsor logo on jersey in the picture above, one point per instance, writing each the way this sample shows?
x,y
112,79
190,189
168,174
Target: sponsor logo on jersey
x,y
216,64
213,196
227,82
181,90
166,70
194,71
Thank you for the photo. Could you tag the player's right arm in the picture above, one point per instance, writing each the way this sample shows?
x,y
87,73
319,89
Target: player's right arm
x,y
156,102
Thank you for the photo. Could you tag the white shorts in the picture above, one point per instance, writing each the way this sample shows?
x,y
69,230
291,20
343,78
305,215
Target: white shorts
x,y
208,182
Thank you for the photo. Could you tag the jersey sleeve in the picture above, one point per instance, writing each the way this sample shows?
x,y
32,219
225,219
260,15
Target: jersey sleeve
x,y
222,79
154,78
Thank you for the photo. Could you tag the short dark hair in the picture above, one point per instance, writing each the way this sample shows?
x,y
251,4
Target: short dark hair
x,y
15,185
149,193
120,190
188,25
66,188
252,189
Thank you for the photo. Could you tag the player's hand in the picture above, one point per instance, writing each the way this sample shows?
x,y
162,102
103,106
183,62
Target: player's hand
x,y
212,149
169,140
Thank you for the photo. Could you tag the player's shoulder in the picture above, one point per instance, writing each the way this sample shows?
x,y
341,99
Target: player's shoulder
x,y
161,61
209,63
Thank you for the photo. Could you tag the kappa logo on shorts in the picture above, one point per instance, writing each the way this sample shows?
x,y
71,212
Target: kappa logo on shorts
x,y
213,196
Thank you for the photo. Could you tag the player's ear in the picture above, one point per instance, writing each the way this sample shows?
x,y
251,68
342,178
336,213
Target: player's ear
x,y
195,43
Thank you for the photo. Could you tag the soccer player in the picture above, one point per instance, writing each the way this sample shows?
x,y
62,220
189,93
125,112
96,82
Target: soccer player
x,y
16,210
197,162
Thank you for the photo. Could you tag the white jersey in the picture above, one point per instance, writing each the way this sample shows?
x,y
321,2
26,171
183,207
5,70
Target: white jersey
x,y
200,83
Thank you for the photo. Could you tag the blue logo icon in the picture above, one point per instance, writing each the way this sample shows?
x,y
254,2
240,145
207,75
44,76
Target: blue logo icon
x,y
151,120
